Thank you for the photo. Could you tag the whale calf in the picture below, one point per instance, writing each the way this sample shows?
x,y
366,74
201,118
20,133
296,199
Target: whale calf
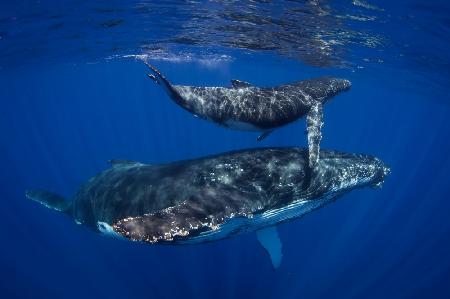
x,y
246,107
212,198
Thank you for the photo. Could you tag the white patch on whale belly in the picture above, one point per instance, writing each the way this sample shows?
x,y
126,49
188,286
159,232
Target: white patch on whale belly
x,y
107,230
269,218
242,126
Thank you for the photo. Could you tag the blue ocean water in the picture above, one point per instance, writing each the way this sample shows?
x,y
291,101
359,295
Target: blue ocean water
x,y
74,94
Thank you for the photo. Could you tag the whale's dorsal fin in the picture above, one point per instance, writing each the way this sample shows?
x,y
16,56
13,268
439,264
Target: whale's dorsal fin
x,y
119,162
270,241
239,84
50,200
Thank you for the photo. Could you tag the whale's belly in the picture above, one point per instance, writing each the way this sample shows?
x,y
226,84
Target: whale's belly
x,y
259,221
241,126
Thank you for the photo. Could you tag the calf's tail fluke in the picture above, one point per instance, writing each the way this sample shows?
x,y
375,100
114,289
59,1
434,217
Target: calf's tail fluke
x,y
159,79
156,75
50,200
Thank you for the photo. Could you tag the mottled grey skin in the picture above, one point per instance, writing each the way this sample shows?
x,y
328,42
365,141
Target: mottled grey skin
x,y
197,199
247,107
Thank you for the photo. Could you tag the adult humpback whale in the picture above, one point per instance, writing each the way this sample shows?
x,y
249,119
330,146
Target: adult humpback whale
x,y
212,198
263,109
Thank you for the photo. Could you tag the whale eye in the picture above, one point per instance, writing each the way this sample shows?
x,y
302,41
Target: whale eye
x,y
101,226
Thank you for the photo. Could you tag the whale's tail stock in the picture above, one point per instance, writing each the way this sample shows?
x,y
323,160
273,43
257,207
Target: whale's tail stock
x,y
50,200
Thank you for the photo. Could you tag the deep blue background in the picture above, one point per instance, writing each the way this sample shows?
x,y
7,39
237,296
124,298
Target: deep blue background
x,y
59,124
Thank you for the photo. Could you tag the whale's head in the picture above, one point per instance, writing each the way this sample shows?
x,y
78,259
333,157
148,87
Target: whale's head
x,y
324,88
333,86
340,172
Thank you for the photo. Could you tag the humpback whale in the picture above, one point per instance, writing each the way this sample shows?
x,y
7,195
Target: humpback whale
x,y
215,197
250,108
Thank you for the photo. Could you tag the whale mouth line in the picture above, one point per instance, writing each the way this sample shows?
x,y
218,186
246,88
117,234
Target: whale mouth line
x,y
377,185
379,180
386,171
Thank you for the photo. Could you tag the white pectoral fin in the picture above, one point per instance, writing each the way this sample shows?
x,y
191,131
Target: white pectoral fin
x,y
314,122
269,239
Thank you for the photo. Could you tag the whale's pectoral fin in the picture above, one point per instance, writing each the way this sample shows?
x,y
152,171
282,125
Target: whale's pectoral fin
x,y
49,199
239,84
270,241
264,135
314,122
200,213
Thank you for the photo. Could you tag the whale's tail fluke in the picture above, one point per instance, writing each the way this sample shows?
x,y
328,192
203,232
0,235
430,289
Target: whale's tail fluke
x,y
50,200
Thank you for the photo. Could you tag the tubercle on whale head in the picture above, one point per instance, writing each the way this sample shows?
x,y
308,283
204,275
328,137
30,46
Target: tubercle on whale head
x,y
335,86
344,84
381,174
339,171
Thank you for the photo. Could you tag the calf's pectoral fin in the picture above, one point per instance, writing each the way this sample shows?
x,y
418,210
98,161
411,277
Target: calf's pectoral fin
x,y
264,135
314,122
270,241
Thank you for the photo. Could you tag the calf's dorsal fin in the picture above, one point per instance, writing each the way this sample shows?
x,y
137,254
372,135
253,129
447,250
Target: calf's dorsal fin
x,y
239,84
270,241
